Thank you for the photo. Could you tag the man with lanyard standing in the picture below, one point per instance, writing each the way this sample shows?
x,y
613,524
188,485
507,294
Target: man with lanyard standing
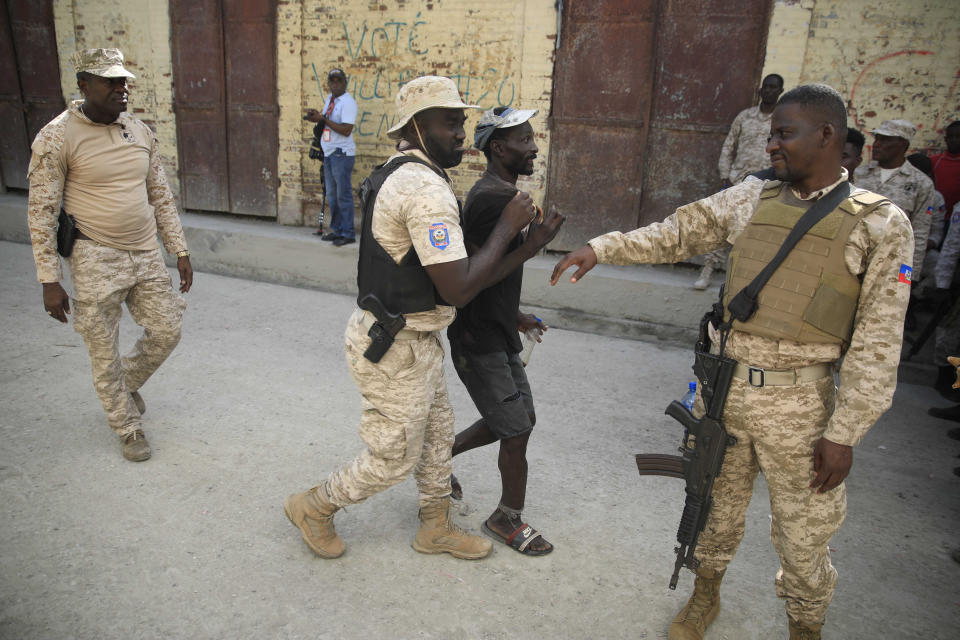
x,y
334,129
413,272
841,293
484,339
104,166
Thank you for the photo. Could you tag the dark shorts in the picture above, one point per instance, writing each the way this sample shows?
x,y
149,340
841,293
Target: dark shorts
x,y
498,385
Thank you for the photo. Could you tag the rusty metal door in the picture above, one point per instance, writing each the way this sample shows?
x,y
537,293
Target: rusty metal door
x,y
601,102
30,93
709,60
224,67
644,93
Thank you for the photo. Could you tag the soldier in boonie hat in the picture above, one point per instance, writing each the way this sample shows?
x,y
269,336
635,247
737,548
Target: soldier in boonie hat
x,y
437,102
106,63
896,129
425,92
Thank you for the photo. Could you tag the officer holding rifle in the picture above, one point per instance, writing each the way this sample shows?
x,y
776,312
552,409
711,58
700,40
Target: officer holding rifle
x,y
841,292
413,272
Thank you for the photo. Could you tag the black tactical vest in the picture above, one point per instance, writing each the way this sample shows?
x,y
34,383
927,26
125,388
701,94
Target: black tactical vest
x,y
402,287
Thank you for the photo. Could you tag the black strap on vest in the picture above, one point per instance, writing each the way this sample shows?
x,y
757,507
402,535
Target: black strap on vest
x,y
764,174
744,304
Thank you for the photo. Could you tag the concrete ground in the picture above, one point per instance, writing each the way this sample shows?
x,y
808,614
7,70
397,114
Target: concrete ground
x,y
256,403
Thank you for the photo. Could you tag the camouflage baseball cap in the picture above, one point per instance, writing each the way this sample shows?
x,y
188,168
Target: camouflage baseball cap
x,y
426,92
106,63
896,128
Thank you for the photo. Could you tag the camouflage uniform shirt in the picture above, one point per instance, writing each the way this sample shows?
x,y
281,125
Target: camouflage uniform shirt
x,y
50,171
416,207
911,190
745,149
878,247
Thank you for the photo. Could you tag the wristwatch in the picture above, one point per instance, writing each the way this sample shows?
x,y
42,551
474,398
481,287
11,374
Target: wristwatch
x,y
183,254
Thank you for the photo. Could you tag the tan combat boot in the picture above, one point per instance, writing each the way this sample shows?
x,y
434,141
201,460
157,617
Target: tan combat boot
x,y
802,631
313,515
702,607
135,447
438,534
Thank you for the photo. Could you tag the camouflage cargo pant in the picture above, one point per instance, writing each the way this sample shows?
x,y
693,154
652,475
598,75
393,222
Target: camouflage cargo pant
x,y
103,279
407,421
777,428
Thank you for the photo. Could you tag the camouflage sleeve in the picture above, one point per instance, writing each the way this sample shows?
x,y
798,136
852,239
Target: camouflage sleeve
x,y
727,151
938,221
949,252
165,207
692,230
880,249
46,176
921,219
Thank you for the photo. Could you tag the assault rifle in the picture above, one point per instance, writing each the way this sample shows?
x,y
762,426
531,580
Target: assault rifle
x,y
704,444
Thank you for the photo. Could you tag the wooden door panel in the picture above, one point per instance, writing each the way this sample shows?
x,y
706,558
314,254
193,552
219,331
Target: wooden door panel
x,y
599,115
203,159
251,102
198,104
253,162
30,92
225,89
709,62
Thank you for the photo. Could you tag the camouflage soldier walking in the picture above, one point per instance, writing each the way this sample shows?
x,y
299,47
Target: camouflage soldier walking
x,y
104,165
842,292
413,263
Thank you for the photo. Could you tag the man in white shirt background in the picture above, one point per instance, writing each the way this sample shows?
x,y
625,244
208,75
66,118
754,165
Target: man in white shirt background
x,y
334,129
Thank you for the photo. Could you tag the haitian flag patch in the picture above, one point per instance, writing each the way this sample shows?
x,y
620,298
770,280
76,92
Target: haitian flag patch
x,y
906,272
439,235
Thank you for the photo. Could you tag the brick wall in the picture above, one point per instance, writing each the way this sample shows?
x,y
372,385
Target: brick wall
x,y
888,58
499,52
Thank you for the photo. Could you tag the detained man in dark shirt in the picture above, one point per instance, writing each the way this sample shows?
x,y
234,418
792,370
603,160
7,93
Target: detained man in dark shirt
x,y
485,337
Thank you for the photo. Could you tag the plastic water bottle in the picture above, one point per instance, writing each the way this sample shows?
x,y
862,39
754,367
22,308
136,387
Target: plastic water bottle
x,y
530,337
689,396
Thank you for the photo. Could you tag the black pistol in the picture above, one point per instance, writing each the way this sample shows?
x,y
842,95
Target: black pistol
x,y
384,330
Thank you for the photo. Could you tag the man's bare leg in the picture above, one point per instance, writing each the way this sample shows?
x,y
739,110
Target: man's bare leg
x,y
512,462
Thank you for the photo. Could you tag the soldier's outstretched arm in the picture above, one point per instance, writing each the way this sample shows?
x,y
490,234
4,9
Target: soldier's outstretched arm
x,y
585,258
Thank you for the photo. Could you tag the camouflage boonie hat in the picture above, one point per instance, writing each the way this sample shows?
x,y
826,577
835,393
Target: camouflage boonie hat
x,y
426,92
106,63
897,129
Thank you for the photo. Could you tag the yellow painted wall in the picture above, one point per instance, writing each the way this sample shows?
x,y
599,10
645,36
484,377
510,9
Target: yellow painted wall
x,y
293,205
499,52
141,30
888,58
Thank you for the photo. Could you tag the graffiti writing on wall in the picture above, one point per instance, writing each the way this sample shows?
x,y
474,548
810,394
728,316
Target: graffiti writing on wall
x,y
374,83
386,39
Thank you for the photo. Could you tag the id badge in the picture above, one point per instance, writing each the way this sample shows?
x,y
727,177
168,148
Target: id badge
x,y
326,135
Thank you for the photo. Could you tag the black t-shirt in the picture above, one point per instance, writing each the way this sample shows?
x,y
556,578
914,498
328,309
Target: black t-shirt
x,y
489,322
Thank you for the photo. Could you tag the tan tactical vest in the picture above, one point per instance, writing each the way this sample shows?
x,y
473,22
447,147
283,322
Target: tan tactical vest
x,y
812,296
